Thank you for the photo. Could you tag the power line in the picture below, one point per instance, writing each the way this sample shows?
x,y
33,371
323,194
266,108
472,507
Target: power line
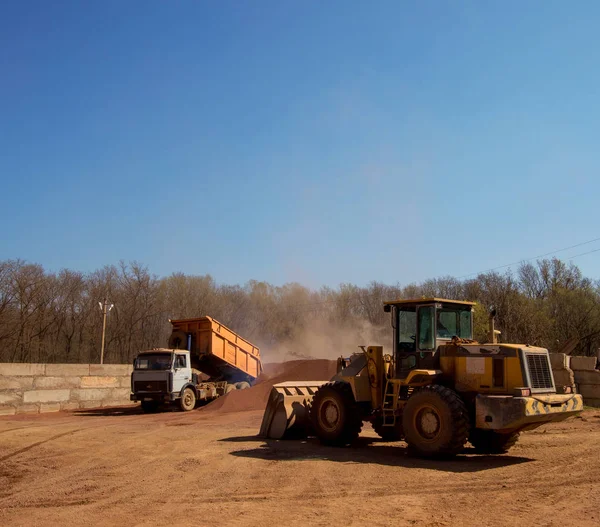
x,y
535,258
312,306
583,254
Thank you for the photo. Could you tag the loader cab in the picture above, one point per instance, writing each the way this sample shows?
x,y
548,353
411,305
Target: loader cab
x,y
422,326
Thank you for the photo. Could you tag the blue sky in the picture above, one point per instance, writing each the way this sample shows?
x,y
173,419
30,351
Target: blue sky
x,y
299,141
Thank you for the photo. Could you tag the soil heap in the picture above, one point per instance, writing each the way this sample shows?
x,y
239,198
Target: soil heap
x,y
255,398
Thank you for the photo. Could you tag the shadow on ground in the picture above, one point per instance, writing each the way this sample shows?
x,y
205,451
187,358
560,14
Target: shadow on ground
x,y
370,451
111,411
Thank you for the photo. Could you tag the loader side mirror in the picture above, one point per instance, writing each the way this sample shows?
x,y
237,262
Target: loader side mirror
x,y
387,308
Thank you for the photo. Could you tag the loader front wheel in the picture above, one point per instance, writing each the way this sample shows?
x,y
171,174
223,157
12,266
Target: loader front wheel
x,y
492,442
435,422
334,414
188,400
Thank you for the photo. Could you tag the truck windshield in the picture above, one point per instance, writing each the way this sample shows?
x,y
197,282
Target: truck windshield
x,y
154,361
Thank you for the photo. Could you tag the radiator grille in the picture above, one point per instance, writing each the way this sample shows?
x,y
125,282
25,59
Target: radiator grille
x,y
150,386
539,371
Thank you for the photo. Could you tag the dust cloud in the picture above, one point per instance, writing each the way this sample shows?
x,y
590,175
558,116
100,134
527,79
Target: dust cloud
x,y
325,340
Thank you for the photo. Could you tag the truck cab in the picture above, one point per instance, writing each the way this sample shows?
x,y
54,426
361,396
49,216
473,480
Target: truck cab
x,y
161,376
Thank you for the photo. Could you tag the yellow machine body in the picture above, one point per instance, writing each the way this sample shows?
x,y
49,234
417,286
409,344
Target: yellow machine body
x,y
506,388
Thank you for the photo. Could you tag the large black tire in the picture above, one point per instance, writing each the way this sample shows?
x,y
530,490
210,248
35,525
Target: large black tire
x,y
492,442
149,407
388,433
334,414
188,400
435,422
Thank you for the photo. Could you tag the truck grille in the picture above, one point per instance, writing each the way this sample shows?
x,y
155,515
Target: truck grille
x,y
540,374
150,386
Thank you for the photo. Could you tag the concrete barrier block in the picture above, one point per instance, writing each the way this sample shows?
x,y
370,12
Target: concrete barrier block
x,y
7,410
591,402
18,369
89,404
120,394
564,377
73,405
559,361
46,396
121,402
125,382
56,382
66,370
110,369
98,381
16,383
91,394
28,409
11,398
49,407
587,377
583,363
591,391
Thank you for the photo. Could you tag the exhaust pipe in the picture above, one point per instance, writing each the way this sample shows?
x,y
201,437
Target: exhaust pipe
x,y
493,332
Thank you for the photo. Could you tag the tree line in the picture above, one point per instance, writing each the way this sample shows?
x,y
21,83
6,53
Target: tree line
x,y
55,316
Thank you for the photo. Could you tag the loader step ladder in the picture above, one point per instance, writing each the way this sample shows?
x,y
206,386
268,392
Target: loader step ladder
x,y
388,411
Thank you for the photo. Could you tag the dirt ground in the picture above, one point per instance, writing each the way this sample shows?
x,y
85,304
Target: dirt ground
x,y
121,467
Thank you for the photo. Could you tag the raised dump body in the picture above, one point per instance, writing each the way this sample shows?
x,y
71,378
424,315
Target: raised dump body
x,y
216,350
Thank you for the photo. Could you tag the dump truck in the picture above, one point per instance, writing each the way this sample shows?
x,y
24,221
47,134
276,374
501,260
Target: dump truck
x,y
439,390
204,360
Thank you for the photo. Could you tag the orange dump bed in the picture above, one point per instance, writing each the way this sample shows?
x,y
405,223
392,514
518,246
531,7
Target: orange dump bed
x,y
216,350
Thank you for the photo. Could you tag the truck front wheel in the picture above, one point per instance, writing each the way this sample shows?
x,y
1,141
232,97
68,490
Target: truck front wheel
x,y
188,400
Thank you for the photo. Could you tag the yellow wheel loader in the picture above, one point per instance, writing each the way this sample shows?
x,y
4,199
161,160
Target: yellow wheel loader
x,y
439,390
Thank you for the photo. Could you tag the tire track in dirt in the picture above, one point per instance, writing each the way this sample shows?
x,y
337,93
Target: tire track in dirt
x,y
33,445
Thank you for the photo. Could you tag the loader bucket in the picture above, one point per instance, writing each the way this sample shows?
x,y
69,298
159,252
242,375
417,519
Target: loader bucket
x,y
286,413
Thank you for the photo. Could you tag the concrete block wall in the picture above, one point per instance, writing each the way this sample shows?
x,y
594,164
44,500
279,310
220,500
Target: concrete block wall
x,y
36,388
580,371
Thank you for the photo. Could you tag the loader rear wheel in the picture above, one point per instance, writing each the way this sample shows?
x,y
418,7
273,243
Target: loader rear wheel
x,y
435,422
492,442
335,416
388,433
188,400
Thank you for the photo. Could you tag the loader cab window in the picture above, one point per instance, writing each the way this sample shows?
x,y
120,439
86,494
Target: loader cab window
x,y
426,338
180,361
453,323
407,328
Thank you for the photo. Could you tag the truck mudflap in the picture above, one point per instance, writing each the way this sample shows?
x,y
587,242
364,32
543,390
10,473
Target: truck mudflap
x,y
507,414
287,409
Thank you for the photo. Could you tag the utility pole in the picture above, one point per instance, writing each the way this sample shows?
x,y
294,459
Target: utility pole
x,y
105,307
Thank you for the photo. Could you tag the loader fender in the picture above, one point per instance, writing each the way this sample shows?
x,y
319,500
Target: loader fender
x,y
421,377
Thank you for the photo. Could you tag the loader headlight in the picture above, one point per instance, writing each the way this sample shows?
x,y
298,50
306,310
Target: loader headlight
x,y
522,392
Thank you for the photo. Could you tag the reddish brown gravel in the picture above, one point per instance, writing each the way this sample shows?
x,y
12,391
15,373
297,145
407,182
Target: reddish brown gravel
x,y
207,467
